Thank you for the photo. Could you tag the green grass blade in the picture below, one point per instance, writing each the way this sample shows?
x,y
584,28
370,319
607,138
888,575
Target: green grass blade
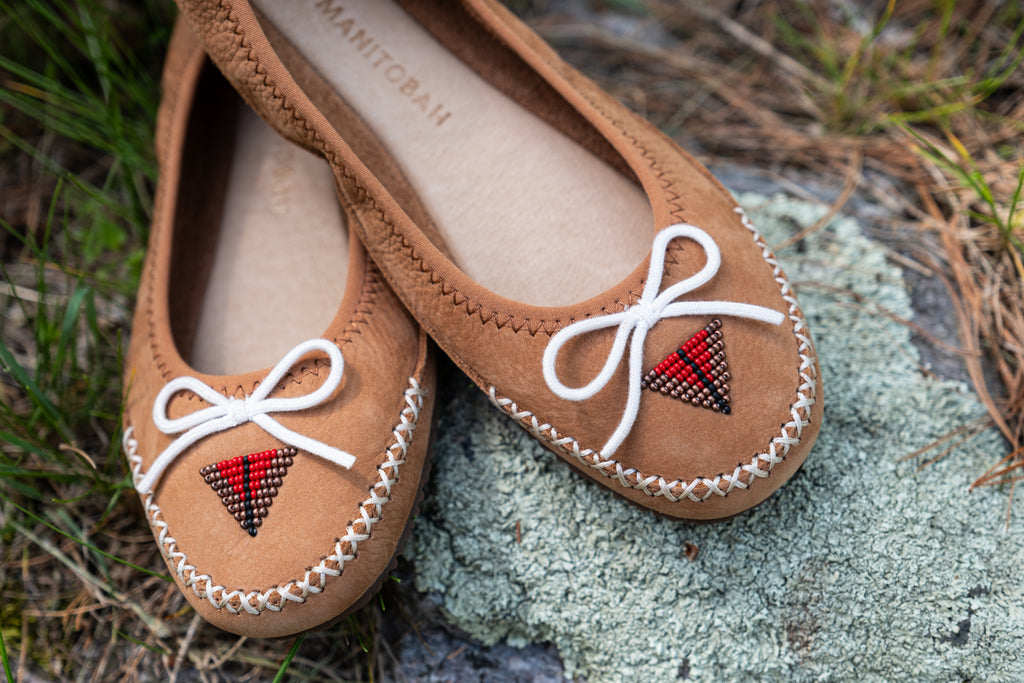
x,y
84,544
4,659
69,326
34,393
288,660
26,446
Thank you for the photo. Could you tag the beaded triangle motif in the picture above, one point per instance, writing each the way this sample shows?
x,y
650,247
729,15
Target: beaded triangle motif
x,y
247,484
696,372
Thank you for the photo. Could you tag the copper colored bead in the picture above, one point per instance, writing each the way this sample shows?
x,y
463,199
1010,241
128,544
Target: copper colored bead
x,y
272,491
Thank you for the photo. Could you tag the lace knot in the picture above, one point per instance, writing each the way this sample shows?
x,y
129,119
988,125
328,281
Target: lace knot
x,y
646,313
237,411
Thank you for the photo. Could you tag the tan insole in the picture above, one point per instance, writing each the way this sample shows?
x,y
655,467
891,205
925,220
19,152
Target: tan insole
x,y
279,268
523,209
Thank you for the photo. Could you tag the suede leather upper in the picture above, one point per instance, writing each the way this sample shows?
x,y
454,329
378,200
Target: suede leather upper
x,y
330,533
678,460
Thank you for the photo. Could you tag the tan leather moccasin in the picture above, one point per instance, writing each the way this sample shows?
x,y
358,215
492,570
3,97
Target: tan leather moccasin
x,y
279,397
592,278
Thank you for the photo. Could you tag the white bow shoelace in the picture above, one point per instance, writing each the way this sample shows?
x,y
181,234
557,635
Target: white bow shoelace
x,y
635,321
226,412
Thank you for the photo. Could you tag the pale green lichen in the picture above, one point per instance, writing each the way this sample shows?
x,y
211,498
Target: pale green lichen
x,y
863,567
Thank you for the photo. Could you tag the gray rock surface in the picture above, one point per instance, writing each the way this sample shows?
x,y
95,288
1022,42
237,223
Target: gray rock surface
x,y
864,567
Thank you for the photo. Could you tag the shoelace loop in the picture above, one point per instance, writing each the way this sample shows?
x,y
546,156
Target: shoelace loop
x,y
227,412
635,321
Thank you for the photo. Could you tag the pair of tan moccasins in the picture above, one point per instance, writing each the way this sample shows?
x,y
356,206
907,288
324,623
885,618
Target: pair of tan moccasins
x,y
593,279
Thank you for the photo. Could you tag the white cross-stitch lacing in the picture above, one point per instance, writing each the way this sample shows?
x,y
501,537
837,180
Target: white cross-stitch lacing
x,y
635,321
226,412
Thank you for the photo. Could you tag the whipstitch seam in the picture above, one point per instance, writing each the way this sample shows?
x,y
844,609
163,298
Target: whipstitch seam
x,y
700,488
239,601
